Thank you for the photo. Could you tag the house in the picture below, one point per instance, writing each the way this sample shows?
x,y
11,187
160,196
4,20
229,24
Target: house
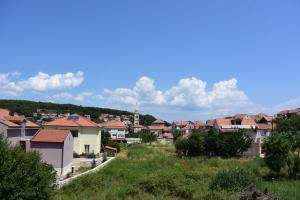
x,y
158,127
138,128
86,133
286,114
17,129
116,128
56,148
257,131
166,138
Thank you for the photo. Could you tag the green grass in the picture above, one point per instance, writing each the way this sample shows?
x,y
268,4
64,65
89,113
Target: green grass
x,y
154,172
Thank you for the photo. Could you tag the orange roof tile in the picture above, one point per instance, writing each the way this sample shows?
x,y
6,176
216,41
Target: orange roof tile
x,y
51,136
4,112
139,126
223,121
8,123
113,124
73,121
264,126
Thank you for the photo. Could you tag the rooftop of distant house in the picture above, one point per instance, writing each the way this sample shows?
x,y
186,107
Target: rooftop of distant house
x,y
113,124
15,121
74,120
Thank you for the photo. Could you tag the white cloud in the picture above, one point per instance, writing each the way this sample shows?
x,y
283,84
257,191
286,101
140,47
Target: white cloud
x,y
42,82
9,87
188,93
66,96
290,104
45,82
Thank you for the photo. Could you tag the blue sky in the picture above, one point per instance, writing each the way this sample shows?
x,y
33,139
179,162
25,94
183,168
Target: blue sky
x,y
177,59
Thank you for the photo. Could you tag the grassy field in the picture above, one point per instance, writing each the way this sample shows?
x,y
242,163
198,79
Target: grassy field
x,y
154,172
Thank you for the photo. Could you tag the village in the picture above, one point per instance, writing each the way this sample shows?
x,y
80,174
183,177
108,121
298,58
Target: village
x,y
71,141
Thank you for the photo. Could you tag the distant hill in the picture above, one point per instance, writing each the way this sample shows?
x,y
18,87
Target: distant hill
x,y
27,108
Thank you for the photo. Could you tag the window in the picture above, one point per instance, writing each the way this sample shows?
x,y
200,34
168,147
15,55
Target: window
x,y
74,133
87,148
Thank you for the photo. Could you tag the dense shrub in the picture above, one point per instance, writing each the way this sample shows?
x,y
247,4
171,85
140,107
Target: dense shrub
x,y
233,180
114,144
276,152
23,175
191,146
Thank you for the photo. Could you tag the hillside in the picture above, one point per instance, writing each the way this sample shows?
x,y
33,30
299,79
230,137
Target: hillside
x,y
27,108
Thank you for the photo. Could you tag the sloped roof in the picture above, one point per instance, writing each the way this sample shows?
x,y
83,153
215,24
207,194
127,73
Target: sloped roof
x,y
4,112
158,121
284,112
223,121
51,136
248,121
73,121
199,124
8,123
139,126
112,124
264,126
181,123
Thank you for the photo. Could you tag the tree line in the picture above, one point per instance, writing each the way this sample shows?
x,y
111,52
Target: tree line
x,y
27,108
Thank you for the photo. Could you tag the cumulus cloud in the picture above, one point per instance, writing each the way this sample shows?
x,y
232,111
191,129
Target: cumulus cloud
x,y
45,82
9,87
42,82
187,93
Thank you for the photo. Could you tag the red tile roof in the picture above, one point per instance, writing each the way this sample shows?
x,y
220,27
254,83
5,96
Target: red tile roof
x,y
181,123
223,121
248,121
8,123
51,136
113,124
72,122
4,112
284,112
264,126
139,126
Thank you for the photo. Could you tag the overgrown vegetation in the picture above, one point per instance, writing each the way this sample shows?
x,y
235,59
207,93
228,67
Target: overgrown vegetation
x,y
282,149
27,108
213,144
23,175
155,172
145,135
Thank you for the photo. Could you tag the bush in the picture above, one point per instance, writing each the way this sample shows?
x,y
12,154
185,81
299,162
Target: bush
x,y
233,180
276,152
23,175
114,144
76,155
191,146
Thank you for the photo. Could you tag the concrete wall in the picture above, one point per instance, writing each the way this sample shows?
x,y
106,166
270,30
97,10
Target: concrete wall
x,y
51,153
14,136
68,153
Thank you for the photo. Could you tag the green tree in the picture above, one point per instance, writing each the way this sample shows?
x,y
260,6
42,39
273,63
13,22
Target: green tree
x,y
277,150
234,144
195,144
23,175
105,137
176,135
147,136
191,146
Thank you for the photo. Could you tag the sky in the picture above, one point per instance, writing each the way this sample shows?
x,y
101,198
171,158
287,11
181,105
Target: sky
x,y
176,60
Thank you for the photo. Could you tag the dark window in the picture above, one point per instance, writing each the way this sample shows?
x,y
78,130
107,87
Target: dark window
x,y
74,133
87,148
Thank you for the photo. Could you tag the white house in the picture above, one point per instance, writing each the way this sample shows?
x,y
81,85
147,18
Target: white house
x,y
116,128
